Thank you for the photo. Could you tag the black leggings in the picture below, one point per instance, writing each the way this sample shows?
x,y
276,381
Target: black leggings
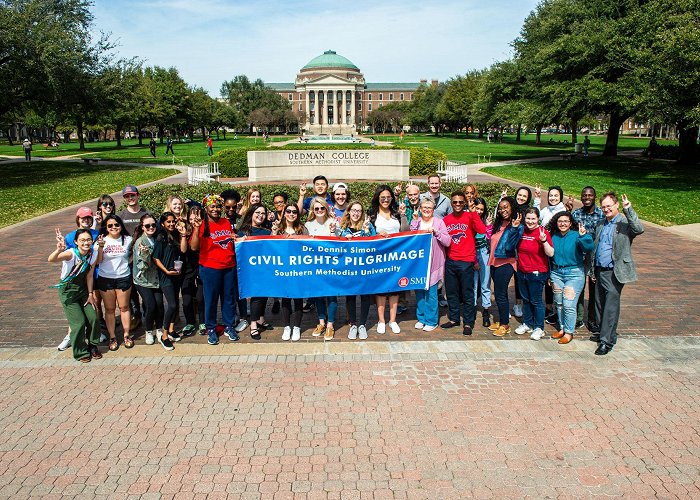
x,y
501,276
153,306
171,293
257,307
351,305
192,300
292,318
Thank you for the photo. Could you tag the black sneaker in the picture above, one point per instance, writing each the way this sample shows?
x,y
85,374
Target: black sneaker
x,y
551,319
166,343
174,336
276,307
486,318
578,325
308,306
449,324
467,330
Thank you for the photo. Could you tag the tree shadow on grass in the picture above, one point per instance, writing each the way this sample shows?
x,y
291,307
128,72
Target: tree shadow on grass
x,y
17,175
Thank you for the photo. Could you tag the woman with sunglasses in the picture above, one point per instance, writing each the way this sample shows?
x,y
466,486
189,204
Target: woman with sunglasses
x,y
232,204
105,207
321,223
355,224
192,297
482,271
114,280
289,227
252,225
146,278
168,255
75,291
213,237
388,218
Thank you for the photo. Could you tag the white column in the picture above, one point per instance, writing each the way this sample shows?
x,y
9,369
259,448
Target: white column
x,y
353,105
343,105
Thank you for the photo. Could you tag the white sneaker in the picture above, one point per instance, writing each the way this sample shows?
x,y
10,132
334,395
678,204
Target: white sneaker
x,y
296,334
150,339
286,333
418,326
537,334
518,310
65,343
242,325
523,329
429,328
381,327
362,332
352,334
395,327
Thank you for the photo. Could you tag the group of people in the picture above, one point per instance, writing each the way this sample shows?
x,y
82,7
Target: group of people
x,y
147,266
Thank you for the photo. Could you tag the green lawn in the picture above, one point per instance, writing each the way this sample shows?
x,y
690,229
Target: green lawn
x,y
31,189
659,191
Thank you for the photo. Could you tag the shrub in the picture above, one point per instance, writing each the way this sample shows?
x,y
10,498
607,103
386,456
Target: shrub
x,y
234,162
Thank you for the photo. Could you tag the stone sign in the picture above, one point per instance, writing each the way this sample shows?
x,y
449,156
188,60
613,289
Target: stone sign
x,y
300,165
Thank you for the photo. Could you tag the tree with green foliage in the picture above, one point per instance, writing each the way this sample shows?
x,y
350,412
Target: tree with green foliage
x,y
461,94
424,107
171,97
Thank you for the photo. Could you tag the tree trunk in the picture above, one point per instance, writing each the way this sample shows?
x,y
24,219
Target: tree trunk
x,y
80,133
204,133
217,133
118,133
517,134
138,132
9,136
481,133
161,132
574,126
224,132
616,121
687,142
538,137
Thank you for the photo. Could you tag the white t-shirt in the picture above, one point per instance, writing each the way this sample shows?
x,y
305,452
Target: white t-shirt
x,y
68,265
391,225
115,258
316,229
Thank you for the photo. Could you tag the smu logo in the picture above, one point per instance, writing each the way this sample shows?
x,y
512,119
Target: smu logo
x,y
403,282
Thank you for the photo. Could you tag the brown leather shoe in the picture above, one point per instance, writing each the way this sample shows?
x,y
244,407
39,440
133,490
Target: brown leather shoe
x,y
558,334
95,352
85,360
565,339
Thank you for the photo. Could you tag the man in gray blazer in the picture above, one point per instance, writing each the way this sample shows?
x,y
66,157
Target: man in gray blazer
x,y
614,265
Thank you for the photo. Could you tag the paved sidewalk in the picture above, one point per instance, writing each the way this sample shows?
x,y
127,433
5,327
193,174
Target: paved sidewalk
x,y
455,423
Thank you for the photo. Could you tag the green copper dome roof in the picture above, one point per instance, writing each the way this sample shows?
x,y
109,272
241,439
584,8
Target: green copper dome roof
x,y
329,59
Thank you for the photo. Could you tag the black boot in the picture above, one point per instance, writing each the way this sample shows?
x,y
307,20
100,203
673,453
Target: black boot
x,y
486,318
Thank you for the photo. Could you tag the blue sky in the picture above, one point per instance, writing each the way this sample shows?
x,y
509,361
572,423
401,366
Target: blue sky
x,y
390,41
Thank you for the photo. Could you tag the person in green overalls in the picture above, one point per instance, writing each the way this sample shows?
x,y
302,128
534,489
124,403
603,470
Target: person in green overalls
x,y
76,293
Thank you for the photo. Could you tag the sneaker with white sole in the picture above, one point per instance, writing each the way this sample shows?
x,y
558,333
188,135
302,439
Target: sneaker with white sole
x,y
202,329
242,325
429,328
352,333
166,343
537,334
286,333
362,332
65,343
381,328
418,326
212,337
523,329
150,338
518,310
395,327
296,334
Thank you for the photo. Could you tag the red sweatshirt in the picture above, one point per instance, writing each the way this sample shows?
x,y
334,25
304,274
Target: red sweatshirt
x,y
531,256
217,250
462,229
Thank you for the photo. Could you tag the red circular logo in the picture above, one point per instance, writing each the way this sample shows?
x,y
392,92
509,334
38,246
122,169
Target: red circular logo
x,y
403,282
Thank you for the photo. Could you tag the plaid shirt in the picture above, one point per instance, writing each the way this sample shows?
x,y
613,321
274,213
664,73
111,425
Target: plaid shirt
x,y
589,221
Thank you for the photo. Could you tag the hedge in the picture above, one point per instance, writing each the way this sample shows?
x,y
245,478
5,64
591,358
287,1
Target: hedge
x,y
234,162
153,198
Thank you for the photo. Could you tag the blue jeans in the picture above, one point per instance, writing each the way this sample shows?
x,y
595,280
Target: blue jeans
x,y
323,313
531,286
217,282
482,277
427,311
567,284
459,288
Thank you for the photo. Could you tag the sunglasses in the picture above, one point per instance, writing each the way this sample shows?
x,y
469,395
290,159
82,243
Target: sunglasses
x,y
110,226
319,209
149,226
455,202
385,198
107,204
291,211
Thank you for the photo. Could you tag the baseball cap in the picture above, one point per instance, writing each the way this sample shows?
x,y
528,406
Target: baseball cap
x,y
130,189
339,185
84,212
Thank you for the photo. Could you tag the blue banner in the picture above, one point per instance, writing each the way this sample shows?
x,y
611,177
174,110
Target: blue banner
x,y
304,267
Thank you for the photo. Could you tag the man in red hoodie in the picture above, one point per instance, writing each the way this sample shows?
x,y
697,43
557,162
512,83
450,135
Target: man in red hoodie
x,y
459,264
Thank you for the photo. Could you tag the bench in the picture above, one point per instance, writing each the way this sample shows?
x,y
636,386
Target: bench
x,y
203,173
568,156
92,161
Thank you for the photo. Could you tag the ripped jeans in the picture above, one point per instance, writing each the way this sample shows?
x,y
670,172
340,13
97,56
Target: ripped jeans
x,y
567,284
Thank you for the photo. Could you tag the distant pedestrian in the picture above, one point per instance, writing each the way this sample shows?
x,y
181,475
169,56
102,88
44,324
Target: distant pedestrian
x,y
210,146
152,145
27,146
169,146
586,145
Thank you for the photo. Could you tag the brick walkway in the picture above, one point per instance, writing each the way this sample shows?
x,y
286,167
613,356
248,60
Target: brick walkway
x,y
466,421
